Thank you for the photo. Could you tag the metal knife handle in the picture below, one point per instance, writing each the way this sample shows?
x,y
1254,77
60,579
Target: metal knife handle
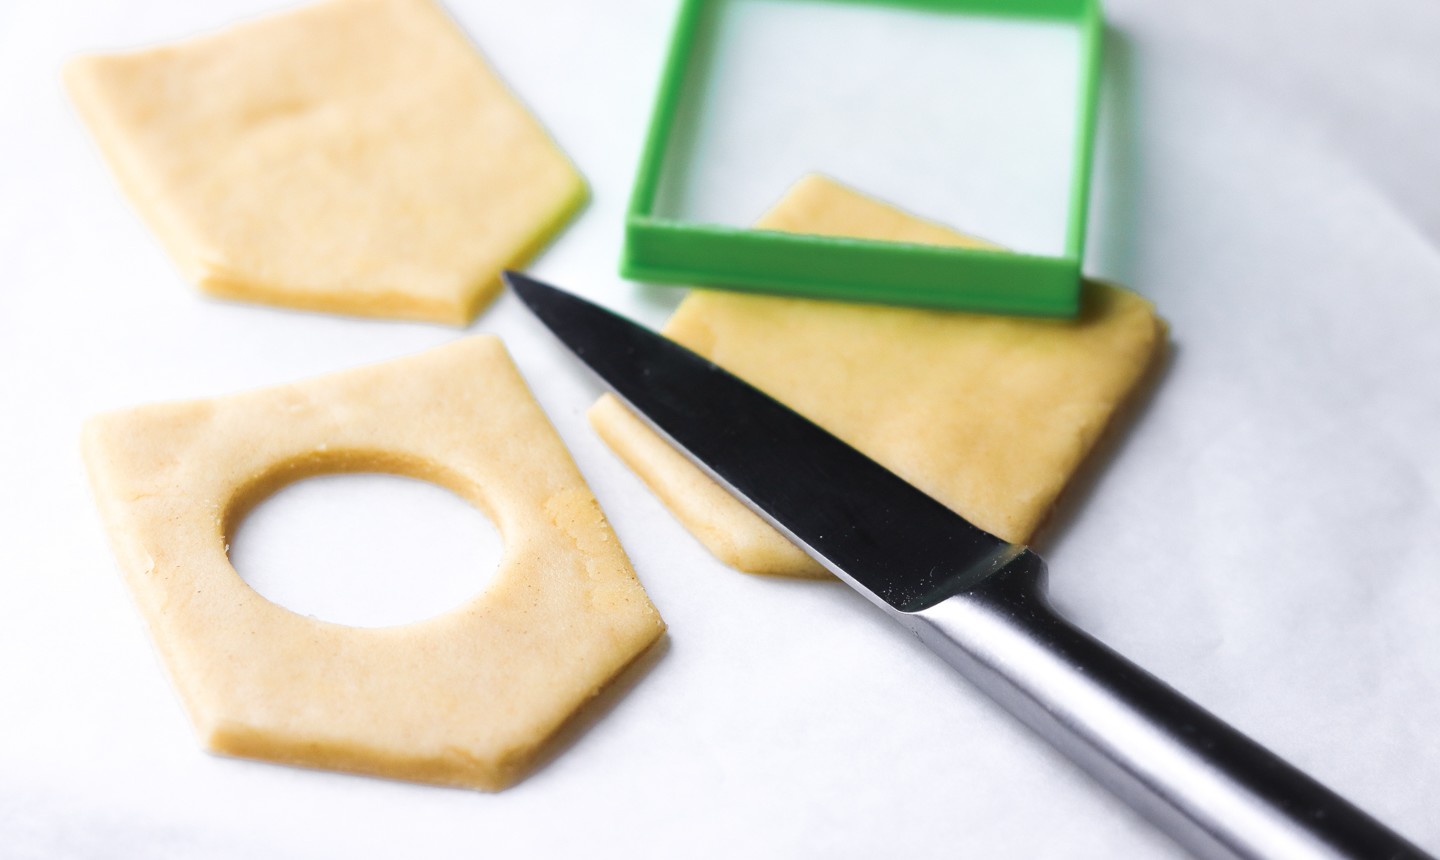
x,y
1214,790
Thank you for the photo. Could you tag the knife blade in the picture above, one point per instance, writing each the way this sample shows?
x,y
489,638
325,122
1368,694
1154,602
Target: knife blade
x,y
976,600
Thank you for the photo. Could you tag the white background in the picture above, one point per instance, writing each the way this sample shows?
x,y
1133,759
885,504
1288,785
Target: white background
x,y
1264,533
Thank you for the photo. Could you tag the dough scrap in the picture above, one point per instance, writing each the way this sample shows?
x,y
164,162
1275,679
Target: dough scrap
x,y
989,414
354,156
465,698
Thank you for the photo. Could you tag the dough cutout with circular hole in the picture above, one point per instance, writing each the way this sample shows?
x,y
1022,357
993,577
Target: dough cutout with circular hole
x,y
466,698
354,156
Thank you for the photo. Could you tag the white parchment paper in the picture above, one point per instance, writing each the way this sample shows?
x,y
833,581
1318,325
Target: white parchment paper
x,y
1264,532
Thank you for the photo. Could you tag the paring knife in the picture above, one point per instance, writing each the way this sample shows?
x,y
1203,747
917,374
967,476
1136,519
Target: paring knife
x,y
977,601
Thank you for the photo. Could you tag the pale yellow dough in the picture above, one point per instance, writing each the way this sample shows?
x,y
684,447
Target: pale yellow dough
x,y
989,414
355,156
465,698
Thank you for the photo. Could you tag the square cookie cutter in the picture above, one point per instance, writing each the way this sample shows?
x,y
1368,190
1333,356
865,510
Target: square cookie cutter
x,y
664,249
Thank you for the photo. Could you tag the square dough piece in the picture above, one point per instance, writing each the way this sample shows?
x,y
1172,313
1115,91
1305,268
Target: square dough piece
x,y
991,415
465,698
355,156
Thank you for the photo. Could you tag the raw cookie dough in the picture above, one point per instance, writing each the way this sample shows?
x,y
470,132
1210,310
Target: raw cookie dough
x,y
355,156
989,414
465,698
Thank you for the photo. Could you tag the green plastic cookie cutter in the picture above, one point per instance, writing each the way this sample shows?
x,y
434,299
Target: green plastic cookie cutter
x,y
663,249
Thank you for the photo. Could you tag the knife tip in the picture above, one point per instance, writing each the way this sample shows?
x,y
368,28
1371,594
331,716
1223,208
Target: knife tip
x,y
523,285
514,280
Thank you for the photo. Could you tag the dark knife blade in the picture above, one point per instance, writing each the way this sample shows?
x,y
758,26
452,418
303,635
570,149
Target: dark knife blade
x,y
898,545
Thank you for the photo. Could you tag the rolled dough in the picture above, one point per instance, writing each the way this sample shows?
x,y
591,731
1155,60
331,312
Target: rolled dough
x,y
355,156
991,415
466,698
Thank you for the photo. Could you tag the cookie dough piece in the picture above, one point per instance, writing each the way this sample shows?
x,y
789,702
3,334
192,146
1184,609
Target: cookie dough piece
x,y
989,414
465,698
355,156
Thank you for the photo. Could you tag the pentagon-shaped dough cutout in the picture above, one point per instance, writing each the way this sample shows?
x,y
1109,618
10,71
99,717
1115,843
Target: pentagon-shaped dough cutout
x,y
354,156
465,698
991,415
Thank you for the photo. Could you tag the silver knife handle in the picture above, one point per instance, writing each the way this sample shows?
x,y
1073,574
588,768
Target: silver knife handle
x,y
1212,789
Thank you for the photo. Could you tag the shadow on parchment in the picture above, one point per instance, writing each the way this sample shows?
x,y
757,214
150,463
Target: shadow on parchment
x,y
597,708
1114,204
1089,476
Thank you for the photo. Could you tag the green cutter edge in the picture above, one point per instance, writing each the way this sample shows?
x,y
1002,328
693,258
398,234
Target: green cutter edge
x,y
664,250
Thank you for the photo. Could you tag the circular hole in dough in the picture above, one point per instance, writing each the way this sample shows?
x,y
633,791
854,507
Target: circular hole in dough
x,y
366,549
